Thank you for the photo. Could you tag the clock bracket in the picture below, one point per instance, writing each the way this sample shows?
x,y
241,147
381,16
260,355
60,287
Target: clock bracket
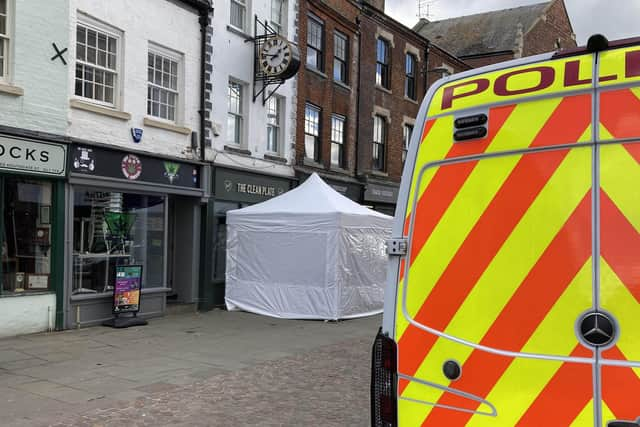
x,y
264,85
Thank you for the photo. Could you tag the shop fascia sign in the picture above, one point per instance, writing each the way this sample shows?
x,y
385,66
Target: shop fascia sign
x,y
258,190
381,193
40,158
234,185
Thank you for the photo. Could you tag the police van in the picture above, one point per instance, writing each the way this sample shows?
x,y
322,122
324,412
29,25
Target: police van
x,y
514,273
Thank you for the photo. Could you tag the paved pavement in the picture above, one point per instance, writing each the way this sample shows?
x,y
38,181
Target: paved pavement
x,y
211,369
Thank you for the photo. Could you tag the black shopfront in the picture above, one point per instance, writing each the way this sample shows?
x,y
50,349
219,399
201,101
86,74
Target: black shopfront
x,y
130,208
381,197
235,189
348,187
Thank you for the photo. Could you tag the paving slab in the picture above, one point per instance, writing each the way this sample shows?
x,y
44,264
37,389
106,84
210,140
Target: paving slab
x,y
237,367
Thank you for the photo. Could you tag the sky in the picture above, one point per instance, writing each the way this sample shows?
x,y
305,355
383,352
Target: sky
x,y
616,19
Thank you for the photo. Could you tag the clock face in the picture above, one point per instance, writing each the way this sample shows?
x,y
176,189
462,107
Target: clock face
x,y
275,56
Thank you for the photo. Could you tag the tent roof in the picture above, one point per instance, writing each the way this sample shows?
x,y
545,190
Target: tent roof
x,y
314,196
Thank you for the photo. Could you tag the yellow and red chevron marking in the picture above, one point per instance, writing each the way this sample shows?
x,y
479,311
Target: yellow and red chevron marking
x,y
526,310
620,113
564,397
511,190
451,279
620,266
537,124
620,388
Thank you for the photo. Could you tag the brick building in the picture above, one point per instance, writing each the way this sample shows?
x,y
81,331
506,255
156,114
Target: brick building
x,y
328,93
360,89
501,35
397,67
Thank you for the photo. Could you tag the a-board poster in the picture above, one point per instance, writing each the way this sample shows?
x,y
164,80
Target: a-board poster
x,y
126,292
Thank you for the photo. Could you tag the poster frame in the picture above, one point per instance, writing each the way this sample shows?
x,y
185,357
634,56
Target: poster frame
x,y
115,287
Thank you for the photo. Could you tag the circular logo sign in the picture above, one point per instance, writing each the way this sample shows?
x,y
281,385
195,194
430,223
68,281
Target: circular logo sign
x,y
597,329
131,166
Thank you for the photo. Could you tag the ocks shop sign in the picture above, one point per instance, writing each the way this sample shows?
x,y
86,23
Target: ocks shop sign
x,y
40,158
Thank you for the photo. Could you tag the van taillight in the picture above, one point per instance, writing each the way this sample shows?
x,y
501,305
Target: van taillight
x,y
384,403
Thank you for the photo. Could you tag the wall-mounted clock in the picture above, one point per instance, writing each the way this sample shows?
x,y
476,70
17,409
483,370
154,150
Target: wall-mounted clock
x,y
279,58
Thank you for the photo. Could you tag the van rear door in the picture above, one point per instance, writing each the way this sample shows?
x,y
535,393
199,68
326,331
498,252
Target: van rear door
x,y
499,266
619,231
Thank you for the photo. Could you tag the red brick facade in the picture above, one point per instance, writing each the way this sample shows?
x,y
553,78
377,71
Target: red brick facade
x,y
360,99
392,104
552,31
318,87
481,61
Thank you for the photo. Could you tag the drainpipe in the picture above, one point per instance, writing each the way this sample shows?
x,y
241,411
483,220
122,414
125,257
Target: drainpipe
x,y
358,106
426,67
204,23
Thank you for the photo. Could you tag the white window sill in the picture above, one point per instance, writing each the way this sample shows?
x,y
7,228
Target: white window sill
x,y
239,31
384,89
413,101
11,90
275,157
339,169
310,162
236,149
166,126
98,109
316,72
342,85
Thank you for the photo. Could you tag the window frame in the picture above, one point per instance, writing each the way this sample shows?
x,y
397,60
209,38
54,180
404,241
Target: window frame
x,y
244,4
407,134
339,143
410,81
380,163
317,141
241,115
89,23
146,284
278,123
280,27
5,39
179,91
383,69
319,51
344,62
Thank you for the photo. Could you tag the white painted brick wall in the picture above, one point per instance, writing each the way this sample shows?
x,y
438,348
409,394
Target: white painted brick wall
x,y
232,57
164,23
43,105
26,314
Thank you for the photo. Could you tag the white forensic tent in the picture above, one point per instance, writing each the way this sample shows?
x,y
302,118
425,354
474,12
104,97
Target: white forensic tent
x,y
310,253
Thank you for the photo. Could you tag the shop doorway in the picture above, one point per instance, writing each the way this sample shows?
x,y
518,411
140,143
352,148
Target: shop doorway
x,y
183,252
220,240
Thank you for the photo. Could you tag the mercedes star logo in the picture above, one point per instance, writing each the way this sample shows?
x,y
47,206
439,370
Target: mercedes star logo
x,y
597,329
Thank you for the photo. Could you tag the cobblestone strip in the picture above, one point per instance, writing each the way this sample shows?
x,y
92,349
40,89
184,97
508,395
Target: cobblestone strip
x,y
325,387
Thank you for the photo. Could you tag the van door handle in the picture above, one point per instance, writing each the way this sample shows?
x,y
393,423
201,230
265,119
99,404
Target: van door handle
x,y
622,423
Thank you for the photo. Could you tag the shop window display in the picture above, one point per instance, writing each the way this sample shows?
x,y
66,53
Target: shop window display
x,y
26,235
111,229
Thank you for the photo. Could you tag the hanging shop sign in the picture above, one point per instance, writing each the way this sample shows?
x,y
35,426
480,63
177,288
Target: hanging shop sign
x,y
131,167
126,291
246,187
39,158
